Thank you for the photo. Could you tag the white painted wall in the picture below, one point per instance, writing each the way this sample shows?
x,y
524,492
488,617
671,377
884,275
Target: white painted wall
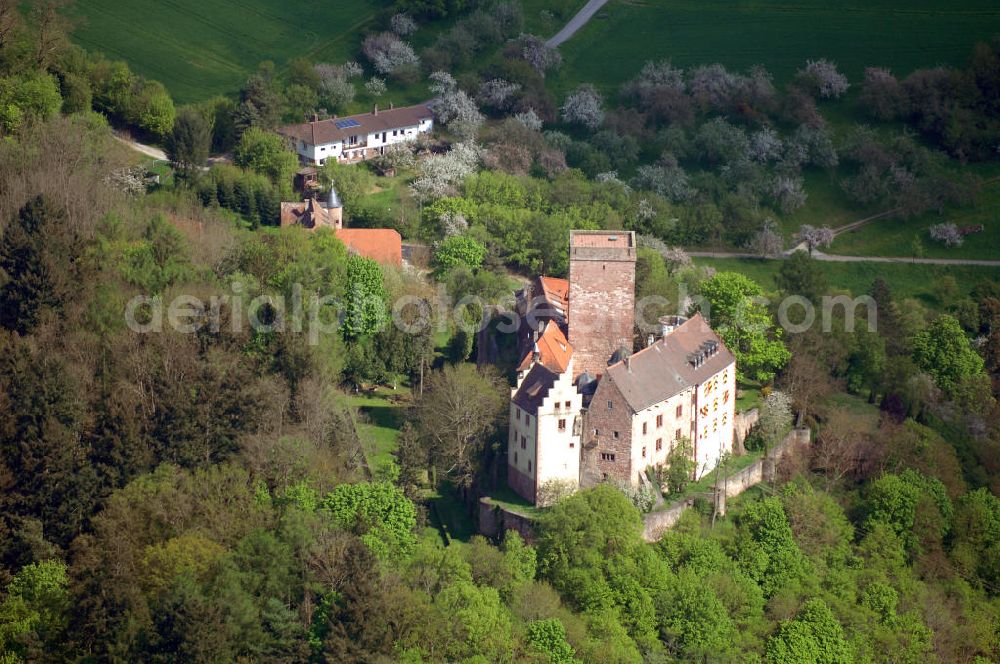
x,y
667,431
714,418
317,154
558,454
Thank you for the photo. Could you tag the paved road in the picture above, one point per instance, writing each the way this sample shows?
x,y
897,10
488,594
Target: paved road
x,y
835,258
148,150
576,22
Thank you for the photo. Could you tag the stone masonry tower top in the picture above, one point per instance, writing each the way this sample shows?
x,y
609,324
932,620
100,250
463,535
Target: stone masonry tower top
x,y
601,314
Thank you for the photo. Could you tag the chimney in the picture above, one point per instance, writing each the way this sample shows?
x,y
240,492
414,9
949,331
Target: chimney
x,y
315,117
535,353
628,363
375,109
390,105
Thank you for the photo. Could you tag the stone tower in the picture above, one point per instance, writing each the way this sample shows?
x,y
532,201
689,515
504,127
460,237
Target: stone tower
x,y
601,314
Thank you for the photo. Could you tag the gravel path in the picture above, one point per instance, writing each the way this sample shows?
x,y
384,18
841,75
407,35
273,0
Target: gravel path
x,y
148,150
576,22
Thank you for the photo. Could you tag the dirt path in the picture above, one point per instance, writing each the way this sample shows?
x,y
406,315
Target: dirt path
x,y
148,150
576,22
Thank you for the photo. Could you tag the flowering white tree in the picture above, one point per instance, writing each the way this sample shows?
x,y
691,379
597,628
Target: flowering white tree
x,y
440,175
352,69
454,108
388,53
529,119
442,83
497,93
669,181
675,257
713,85
375,86
583,106
644,210
788,192
775,416
765,145
335,83
948,234
402,25
767,241
822,78
538,54
398,155
815,144
814,237
128,181
453,223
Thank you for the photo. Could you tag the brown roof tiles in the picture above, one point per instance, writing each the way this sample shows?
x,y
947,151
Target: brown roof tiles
x,y
663,370
323,132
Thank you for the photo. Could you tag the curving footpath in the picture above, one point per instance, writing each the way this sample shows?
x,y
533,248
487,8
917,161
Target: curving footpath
x,y
576,22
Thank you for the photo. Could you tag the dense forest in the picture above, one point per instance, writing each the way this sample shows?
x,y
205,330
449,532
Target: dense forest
x,y
207,495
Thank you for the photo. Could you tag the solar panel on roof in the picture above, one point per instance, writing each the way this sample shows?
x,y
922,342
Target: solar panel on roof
x,y
344,124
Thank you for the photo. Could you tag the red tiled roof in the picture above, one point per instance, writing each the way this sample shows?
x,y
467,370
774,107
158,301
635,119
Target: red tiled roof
x,y
556,291
323,132
553,349
383,245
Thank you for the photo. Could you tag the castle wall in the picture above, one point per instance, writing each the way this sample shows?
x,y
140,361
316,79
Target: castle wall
x,y
600,442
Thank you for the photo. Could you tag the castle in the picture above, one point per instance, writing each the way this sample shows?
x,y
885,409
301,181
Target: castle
x,y
587,408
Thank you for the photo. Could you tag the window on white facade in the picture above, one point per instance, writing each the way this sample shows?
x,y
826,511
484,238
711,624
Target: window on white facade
x,y
562,425
659,444
643,451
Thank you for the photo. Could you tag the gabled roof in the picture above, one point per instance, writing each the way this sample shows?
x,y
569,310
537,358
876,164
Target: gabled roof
x,y
309,213
383,245
554,350
336,130
534,388
555,291
664,369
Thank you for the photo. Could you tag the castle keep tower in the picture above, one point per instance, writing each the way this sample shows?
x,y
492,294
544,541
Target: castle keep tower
x,y
601,314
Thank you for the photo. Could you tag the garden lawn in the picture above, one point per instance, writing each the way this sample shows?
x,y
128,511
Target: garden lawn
x,y
199,49
379,424
779,35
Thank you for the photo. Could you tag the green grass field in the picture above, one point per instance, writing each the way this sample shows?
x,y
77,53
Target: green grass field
x,y
778,35
895,237
381,418
906,280
201,49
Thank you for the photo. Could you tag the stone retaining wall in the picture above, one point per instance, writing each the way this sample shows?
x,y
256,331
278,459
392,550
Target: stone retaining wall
x,y
657,523
494,519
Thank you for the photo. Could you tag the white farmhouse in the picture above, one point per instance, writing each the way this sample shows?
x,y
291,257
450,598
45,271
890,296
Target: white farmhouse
x,y
357,137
